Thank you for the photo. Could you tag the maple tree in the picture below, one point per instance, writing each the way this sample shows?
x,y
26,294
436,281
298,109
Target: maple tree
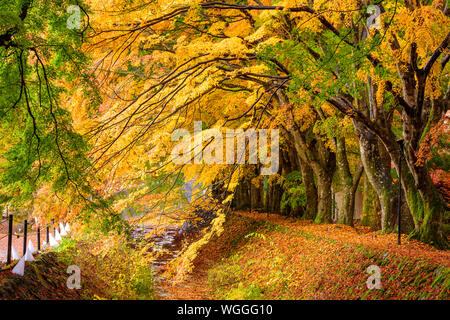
x,y
276,62
45,164
95,109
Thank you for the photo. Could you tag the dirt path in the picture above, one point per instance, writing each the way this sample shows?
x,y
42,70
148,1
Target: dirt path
x,y
195,285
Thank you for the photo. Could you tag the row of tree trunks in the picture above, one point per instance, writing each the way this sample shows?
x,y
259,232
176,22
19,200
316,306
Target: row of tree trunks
x,y
378,174
377,149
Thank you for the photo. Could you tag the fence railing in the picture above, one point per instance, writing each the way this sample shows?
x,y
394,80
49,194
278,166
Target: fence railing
x,y
52,240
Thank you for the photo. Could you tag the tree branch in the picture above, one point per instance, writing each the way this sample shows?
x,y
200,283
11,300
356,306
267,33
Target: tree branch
x,y
436,55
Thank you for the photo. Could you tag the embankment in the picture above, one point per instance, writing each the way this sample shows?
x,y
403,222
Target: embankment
x,y
44,279
271,257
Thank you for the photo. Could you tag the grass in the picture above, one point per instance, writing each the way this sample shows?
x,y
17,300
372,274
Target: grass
x,y
111,263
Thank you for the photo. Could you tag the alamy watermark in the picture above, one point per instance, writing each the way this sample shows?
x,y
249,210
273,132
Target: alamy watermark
x,y
74,280
374,281
74,20
207,146
374,20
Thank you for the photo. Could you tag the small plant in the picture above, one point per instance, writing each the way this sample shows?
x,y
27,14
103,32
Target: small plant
x,y
121,270
256,235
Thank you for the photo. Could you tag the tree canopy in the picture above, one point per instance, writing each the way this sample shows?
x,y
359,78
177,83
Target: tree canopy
x,y
92,111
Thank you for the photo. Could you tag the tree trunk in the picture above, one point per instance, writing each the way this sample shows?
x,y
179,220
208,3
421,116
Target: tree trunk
x,y
378,174
276,198
431,228
310,190
348,206
349,184
371,207
256,196
268,198
324,208
312,149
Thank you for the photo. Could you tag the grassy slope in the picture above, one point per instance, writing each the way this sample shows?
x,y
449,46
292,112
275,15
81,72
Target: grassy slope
x,y
261,257
44,279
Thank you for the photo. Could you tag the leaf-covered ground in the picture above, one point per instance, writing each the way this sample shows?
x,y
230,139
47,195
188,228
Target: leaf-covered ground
x,y
271,257
45,279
